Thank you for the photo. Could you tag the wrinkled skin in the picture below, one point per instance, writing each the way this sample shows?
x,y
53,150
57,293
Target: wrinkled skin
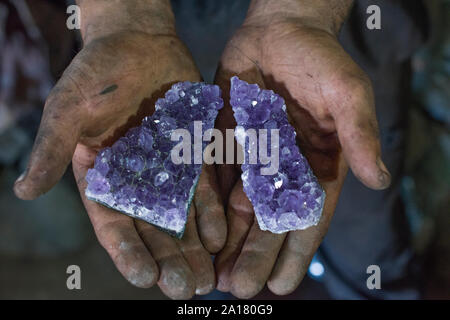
x,y
108,88
331,105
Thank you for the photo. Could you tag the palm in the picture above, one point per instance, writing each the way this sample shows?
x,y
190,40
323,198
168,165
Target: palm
x,y
118,79
318,81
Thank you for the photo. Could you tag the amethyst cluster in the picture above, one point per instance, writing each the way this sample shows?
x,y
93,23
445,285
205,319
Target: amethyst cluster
x,y
292,198
137,176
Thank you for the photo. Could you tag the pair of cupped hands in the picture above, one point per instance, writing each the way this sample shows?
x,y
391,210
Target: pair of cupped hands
x,y
111,85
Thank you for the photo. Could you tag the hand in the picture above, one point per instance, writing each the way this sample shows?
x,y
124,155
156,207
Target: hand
x,y
330,103
108,88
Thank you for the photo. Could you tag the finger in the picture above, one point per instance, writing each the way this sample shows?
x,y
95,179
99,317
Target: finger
x,y
292,264
357,129
197,257
255,263
294,259
115,231
176,279
54,146
210,215
239,219
300,246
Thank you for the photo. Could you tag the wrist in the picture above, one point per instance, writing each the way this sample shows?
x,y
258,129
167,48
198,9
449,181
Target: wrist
x,y
101,18
328,15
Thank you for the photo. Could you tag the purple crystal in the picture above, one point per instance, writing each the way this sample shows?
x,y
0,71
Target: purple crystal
x,y
136,174
292,198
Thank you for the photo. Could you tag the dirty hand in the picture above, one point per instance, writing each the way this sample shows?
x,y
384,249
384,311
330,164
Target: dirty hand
x,y
291,47
131,56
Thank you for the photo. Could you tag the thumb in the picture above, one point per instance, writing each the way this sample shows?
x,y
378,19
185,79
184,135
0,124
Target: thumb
x,y
357,129
54,145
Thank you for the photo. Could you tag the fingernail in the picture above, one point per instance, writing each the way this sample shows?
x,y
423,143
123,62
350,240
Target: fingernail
x,y
384,176
21,177
204,290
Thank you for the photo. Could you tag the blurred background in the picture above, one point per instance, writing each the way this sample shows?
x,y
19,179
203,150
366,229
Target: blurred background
x,y
40,239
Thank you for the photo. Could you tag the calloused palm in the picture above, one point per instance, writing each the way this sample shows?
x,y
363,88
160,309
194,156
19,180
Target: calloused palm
x,y
330,103
108,88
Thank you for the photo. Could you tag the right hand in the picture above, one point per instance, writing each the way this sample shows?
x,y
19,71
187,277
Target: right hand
x,y
108,88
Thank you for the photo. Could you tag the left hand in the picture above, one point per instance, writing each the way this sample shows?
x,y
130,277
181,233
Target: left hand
x,y
330,103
